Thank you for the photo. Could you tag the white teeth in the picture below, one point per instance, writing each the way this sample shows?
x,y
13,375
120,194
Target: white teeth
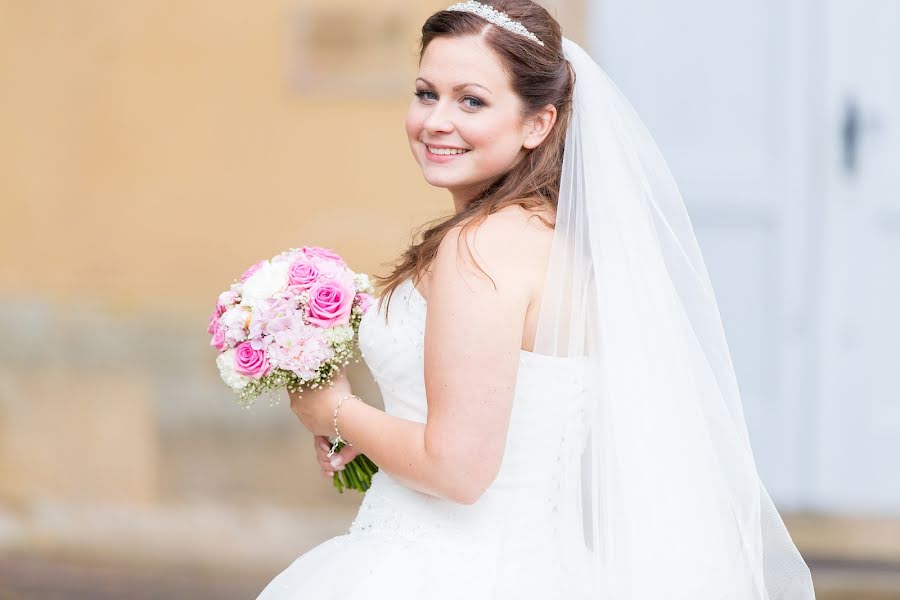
x,y
446,150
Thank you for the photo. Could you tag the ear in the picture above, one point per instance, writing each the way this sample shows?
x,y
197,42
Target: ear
x,y
538,127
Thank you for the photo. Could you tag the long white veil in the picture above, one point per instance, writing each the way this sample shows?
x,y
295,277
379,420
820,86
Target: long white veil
x,y
670,500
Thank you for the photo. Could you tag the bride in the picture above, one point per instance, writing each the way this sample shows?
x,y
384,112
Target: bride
x,y
561,415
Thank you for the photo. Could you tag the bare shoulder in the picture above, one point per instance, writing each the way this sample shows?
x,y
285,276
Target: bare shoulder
x,y
518,217
511,239
509,249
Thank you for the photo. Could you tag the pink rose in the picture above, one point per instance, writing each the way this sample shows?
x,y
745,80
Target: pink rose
x,y
364,301
253,269
329,304
322,253
218,337
302,274
328,264
250,362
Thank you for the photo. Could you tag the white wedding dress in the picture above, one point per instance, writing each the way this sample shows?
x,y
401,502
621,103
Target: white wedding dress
x,y
511,543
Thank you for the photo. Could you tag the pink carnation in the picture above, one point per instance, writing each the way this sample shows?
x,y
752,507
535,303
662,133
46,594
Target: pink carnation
x,y
250,362
364,301
329,304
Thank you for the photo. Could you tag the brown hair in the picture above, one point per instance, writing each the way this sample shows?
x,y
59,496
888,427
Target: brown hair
x,y
540,75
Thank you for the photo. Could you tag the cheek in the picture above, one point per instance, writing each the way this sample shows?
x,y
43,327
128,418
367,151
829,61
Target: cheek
x,y
498,142
414,122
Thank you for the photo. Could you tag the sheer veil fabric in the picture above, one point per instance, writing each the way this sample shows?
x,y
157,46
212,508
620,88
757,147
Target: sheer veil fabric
x,y
669,498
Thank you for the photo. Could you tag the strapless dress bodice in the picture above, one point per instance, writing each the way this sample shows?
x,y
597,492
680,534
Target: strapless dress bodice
x,y
516,541
547,433
547,422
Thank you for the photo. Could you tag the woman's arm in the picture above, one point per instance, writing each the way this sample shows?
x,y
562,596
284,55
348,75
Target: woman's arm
x,y
472,345
395,444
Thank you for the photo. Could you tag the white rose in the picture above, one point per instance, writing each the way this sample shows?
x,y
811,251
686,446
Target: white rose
x,y
233,321
232,378
270,279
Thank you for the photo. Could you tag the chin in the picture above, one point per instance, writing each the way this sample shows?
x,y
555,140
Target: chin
x,y
443,180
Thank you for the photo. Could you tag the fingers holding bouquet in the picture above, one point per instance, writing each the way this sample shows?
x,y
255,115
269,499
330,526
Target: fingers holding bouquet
x,y
335,462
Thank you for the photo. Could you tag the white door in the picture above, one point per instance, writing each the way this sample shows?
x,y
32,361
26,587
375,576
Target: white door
x,y
858,449
723,86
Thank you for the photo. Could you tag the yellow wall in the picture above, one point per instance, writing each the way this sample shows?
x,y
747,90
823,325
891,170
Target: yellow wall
x,y
151,150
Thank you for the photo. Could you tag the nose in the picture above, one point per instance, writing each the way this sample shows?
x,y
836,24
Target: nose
x,y
438,120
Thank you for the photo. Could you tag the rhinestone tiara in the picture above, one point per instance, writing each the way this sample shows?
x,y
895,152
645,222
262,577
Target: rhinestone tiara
x,y
492,15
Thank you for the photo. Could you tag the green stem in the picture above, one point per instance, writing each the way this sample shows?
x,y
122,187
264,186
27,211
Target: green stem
x,y
357,474
357,464
348,472
364,475
360,478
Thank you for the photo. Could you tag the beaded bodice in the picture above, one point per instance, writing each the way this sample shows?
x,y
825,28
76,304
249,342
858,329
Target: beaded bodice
x,y
547,432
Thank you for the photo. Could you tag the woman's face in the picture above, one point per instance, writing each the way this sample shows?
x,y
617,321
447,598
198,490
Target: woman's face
x,y
464,124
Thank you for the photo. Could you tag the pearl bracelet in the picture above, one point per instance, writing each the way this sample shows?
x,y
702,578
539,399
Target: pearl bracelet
x,y
339,439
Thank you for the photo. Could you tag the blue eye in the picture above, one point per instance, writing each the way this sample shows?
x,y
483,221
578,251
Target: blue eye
x,y
477,103
470,102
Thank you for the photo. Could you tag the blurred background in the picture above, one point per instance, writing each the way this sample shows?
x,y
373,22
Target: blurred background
x,y
150,151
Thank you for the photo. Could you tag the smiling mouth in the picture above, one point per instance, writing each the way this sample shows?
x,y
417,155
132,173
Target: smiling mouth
x,y
445,151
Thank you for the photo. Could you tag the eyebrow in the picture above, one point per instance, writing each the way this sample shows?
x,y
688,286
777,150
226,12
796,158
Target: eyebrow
x,y
456,88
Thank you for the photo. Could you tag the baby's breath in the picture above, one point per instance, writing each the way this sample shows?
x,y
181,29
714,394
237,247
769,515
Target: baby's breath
x,y
278,379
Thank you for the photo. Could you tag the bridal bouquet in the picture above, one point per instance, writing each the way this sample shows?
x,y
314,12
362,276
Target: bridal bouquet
x,y
291,322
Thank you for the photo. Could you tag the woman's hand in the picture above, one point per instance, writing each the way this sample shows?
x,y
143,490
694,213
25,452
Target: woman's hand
x,y
337,460
315,408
